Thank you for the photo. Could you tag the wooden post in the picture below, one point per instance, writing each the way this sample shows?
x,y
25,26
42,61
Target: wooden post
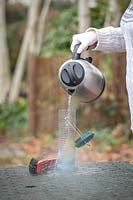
x,y
32,95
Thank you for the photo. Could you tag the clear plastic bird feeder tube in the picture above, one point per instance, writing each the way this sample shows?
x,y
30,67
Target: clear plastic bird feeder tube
x,y
66,160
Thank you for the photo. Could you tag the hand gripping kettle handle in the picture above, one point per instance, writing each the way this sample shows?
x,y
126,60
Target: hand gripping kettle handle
x,y
76,56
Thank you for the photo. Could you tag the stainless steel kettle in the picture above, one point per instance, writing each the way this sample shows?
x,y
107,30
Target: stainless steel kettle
x,y
81,79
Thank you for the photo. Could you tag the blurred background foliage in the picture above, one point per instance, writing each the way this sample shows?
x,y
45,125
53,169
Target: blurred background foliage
x,y
16,16
61,24
59,30
13,116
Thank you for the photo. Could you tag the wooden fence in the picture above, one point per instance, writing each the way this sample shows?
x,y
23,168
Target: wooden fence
x,y
46,95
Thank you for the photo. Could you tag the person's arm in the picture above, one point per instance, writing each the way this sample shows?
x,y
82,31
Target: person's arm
x,y
109,39
106,39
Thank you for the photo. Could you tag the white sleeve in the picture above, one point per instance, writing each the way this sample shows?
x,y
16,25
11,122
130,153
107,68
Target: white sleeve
x,y
129,84
110,39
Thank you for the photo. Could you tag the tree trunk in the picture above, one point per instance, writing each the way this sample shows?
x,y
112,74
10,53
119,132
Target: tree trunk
x,y
22,58
83,14
113,14
41,26
4,56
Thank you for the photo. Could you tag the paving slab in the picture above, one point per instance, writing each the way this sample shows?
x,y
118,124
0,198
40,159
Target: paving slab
x,y
91,181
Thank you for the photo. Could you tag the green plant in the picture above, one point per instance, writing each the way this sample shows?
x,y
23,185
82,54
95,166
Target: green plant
x,y
60,33
110,109
98,14
104,135
14,116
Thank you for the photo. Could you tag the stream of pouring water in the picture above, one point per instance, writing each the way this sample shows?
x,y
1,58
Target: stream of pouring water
x,y
69,107
69,102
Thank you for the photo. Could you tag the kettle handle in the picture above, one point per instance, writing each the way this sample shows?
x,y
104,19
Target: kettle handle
x,y
76,56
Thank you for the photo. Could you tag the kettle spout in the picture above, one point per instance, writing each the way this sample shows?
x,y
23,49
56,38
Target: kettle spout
x,y
70,91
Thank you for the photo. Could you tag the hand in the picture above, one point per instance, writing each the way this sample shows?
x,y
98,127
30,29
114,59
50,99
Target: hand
x,y
86,39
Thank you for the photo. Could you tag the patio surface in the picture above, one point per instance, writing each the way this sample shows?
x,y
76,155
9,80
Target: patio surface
x,y
92,181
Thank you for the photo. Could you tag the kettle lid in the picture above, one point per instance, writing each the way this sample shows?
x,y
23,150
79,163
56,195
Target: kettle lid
x,y
72,74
